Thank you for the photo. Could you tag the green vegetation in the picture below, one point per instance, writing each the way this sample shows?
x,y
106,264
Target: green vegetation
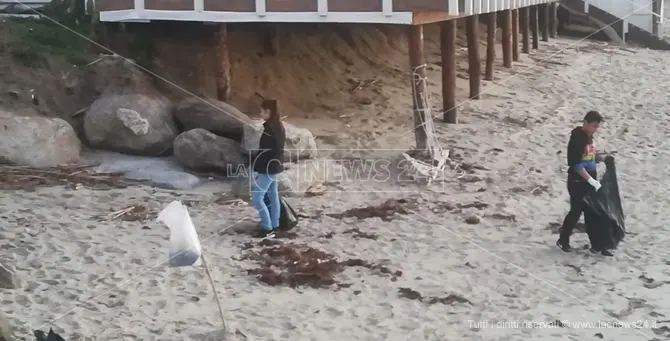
x,y
36,42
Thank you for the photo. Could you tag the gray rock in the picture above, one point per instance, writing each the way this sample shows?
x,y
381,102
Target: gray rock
x,y
201,150
38,141
218,117
473,220
132,123
6,329
8,279
300,142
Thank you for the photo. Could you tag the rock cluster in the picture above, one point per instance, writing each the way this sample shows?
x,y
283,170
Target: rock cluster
x,y
127,114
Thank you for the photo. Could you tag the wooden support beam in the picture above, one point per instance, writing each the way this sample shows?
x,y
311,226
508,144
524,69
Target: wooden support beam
x,y
534,29
448,51
553,19
474,63
515,35
222,58
271,39
544,21
506,23
491,25
418,75
524,18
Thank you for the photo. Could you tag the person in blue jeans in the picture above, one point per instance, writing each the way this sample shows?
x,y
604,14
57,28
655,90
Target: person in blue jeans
x,y
267,164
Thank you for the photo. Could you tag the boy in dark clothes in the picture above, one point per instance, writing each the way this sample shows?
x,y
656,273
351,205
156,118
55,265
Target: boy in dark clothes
x,y
582,177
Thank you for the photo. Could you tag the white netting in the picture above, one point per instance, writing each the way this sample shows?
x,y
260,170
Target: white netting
x,y
438,156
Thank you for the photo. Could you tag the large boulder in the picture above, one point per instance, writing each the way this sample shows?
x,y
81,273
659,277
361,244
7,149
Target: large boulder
x,y
201,150
131,123
218,117
300,143
38,141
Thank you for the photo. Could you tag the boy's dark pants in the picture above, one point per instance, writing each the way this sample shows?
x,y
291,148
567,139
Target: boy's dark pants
x,y
577,190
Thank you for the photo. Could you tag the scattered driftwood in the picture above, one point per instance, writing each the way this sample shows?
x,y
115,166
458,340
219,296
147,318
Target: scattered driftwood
x,y
411,294
131,213
358,234
385,211
297,265
28,178
360,85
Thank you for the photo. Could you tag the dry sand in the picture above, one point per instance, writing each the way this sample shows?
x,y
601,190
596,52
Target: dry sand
x,y
104,279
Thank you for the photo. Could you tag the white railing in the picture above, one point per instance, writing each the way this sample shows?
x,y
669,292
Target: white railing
x,y
322,14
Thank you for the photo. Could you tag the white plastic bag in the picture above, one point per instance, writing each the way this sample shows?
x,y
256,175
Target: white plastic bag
x,y
185,249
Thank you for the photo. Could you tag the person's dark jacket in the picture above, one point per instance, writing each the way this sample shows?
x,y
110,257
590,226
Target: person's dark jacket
x,y
268,157
581,154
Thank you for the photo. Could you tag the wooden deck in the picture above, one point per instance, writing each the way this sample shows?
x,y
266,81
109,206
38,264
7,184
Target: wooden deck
x,y
405,12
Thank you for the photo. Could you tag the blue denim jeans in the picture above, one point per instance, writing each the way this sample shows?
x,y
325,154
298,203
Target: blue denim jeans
x,y
262,185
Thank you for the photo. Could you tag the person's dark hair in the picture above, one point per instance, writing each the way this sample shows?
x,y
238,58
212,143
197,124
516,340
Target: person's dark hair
x,y
271,105
274,120
593,116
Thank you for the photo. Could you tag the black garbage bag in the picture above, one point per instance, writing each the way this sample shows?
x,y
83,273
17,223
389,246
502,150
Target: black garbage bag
x,y
605,224
288,219
42,336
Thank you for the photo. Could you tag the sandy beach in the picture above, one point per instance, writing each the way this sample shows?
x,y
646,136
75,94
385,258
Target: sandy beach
x,y
95,278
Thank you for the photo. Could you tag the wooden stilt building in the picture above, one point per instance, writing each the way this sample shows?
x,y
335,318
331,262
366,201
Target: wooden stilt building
x,y
413,13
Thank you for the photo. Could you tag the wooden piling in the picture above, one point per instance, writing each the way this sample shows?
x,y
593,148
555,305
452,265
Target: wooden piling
x,y
448,51
553,19
534,29
271,39
491,25
544,21
524,18
506,23
475,67
222,58
418,74
515,35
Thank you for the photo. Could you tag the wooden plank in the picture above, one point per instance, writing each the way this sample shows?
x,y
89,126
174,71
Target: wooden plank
x,y
448,52
230,5
491,25
355,6
292,5
474,63
423,18
418,74
418,5
115,5
169,5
